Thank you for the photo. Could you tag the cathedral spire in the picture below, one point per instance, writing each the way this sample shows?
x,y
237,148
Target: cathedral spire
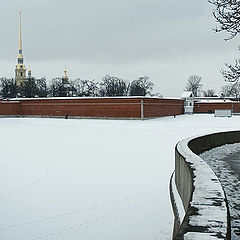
x,y
20,70
20,32
20,54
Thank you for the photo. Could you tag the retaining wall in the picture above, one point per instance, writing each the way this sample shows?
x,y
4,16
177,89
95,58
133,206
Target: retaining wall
x,y
207,215
115,107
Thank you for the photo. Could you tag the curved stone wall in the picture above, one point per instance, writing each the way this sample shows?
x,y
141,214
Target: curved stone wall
x,y
204,200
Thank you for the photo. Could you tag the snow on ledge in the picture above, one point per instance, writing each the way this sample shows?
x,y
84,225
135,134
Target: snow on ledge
x,y
74,98
199,236
207,198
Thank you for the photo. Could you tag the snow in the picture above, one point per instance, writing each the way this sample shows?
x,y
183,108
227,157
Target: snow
x,y
218,159
214,101
207,192
64,179
79,98
199,236
186,94
178,201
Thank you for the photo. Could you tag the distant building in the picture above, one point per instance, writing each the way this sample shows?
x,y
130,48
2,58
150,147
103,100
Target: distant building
x,y
188,98
65,79
66,90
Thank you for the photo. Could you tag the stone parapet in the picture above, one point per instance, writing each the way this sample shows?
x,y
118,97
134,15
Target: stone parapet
x,y
202,195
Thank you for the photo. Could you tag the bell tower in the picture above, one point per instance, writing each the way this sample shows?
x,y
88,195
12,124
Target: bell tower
x,y
20,70
65,79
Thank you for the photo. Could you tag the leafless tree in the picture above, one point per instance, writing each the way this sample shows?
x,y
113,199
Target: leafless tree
x,y
41,87
7,88
232,73
141,87
231,90
227,15
209,93
226,91
85,88
113,86
54,87
194,84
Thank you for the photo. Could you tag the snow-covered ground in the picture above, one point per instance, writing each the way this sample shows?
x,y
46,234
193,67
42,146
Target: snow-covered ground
x,y
92,179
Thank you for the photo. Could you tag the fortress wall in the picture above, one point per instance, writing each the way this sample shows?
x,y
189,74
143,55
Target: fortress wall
x,y
163,107
10,108
116,107
92,108
210,107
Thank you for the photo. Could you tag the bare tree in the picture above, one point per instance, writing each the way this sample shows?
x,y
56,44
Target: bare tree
x,y
141,87
227,15
232,90
8,88
59,88
226,91
85,88
41,87
194,84
54,88
232,73
209,93
113,86
28,88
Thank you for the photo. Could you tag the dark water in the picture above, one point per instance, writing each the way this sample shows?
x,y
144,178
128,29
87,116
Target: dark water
x,y
234,162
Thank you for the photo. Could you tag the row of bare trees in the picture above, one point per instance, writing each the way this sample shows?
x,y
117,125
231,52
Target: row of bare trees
x,y
194,84
32,87
109,86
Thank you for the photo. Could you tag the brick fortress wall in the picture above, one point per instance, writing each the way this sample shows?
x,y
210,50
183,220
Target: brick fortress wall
x,y
132,107
162,107
211,107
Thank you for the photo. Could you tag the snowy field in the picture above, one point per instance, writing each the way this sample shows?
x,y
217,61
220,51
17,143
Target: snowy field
x,y
92,179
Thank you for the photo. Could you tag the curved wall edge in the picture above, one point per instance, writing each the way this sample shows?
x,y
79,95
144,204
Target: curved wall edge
x,y
203,197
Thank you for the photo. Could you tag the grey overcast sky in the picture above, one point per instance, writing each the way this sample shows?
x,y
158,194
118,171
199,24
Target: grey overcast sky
x,y
166,40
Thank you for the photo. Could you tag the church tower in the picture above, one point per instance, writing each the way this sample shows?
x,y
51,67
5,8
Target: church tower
x,y
20,70
65,79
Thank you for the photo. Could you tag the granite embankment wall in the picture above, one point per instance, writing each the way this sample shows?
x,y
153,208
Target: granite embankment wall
x,y
210,107
204,201
129,107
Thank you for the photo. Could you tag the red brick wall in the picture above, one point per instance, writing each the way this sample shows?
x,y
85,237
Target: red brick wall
x,y
162,107
210,107
93,107
99,107
10,108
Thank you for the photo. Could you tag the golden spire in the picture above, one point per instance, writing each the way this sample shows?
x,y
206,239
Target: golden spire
x,y
20,32
20,54
20,70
